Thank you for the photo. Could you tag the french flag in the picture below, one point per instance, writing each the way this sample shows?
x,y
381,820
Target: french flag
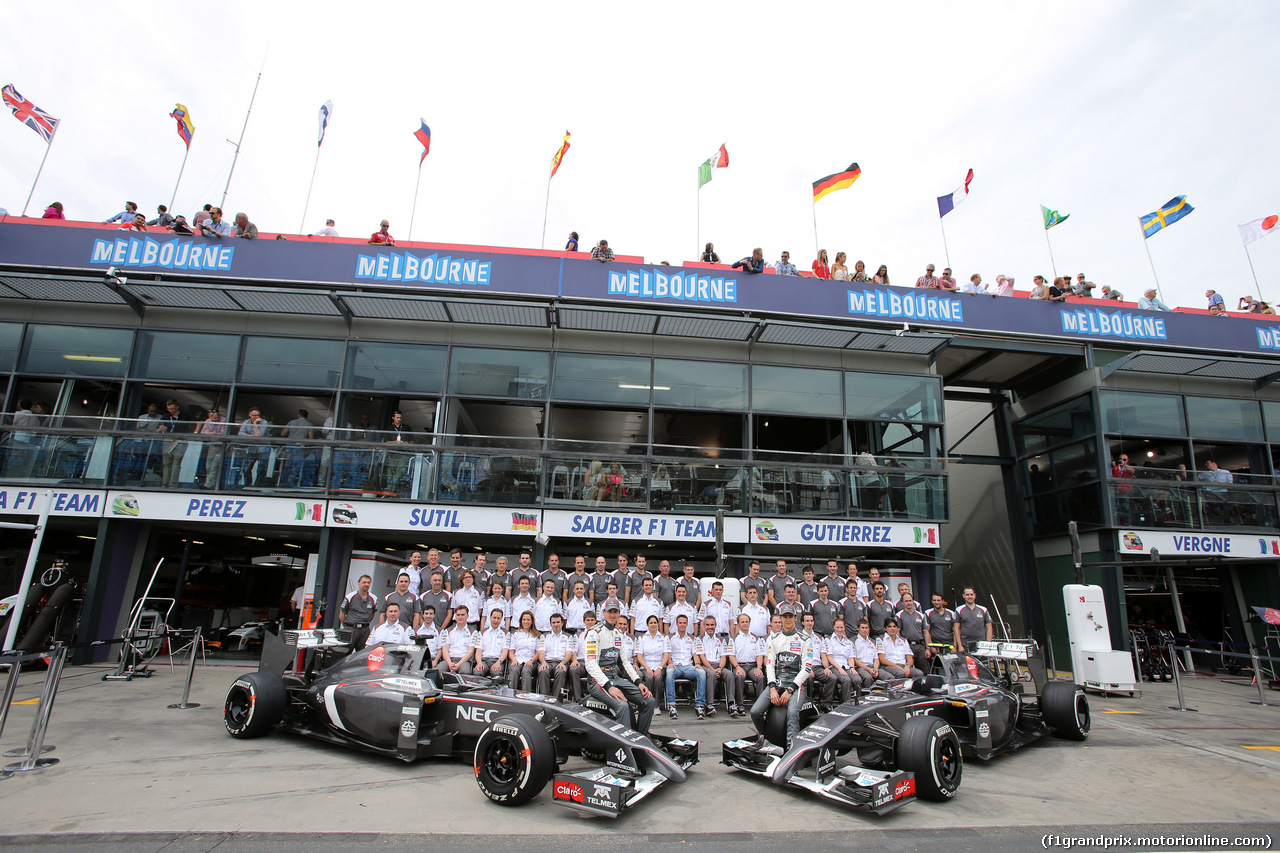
x,y
947,203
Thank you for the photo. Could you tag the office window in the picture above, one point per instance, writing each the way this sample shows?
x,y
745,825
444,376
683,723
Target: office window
x,y
1220,418
10,338
699,384
601,379
186,356
797,390
76,351
1136,413
395,367
295,362
499,373
887,396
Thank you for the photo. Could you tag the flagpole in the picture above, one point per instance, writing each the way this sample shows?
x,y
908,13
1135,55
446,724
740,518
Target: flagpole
x,y
698,229
1251,269
945,250
307,204
41,169
545,208
1052,262
816,251
414,212
1147,246
245,127
181,169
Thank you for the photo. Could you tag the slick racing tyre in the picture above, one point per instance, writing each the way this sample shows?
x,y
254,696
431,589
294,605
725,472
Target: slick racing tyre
x,y
929,748
1066,710
514,760
254,704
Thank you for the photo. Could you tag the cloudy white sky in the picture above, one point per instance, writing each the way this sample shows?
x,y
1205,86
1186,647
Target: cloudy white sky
x,y
1102,110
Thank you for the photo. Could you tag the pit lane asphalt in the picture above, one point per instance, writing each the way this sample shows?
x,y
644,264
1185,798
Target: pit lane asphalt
x,y
134,774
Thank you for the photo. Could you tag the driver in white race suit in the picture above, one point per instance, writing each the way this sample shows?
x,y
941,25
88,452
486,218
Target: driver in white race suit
x,y
612,678
786,658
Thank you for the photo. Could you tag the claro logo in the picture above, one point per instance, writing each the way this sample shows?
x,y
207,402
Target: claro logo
x,y
567,791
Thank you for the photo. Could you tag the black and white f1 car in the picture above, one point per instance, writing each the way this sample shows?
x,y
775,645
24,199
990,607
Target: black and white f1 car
x,y
382,700
910,736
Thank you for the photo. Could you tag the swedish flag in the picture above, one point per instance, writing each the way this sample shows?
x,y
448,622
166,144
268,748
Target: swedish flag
x,y
1173,210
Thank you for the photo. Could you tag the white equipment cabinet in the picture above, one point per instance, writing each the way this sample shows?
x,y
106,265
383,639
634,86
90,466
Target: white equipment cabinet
x,y
1094,664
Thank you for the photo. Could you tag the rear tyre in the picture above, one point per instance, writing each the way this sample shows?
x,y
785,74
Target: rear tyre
x,y
929,748
254,704
1066,710
514,760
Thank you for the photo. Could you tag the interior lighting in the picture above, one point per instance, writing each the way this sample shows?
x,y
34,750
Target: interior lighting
x,y
256,538
291,545
90,538
646,387
112,358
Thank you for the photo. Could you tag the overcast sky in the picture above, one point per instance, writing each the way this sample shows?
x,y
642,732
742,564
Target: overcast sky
x,y
1103,111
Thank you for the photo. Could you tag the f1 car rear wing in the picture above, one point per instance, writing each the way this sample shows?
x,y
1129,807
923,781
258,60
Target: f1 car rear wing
x,y
1019,656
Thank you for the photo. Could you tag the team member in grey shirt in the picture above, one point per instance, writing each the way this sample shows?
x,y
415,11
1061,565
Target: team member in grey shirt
x,y
409,607
777,584
753,579
851,605
556,575
437,598
358,612
973,619
824,612
664,586
911,624
692,588
878,610
940,626
808,588
600,582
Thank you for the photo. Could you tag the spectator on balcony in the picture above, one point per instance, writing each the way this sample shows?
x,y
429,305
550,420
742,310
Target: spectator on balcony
x,y
244,228
253,462
163,219
1213,474
54,211
125,216
820,268
1109,292
571,245
1249,304
1122,470
216,226
150,420
753,264
860,272
602,252
1265,308
328,230
202,216
174,450
1151,302
1041,290
784,266
138,223
215,427
882,275
840,270
1060,289
1082,287
383,235
180,225
928,280
946,281
973,285
1215,300
709,255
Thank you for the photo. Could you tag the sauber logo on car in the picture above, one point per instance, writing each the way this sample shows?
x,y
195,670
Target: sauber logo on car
x,y
376,657
905,788
567,791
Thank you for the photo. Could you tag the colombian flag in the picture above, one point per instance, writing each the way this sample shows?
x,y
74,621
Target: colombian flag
x,y
564,149
838,181
423,135
185,128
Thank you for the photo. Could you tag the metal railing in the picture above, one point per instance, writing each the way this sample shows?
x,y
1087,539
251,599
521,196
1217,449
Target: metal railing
x,y
471,469
1191,504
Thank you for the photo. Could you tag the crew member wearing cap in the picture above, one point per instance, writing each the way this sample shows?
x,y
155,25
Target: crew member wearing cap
x,y
612,678
785,656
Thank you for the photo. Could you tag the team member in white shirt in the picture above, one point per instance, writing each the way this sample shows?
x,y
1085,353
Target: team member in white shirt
x,y
467,595
646,605
836,651
414,570
493,646
652,656
623,626
895,653
722,611
391,632
681,645
498,600
555,656
746,656
522,602
434,638
578,672
757,614
866,655
547,604
522,653
713,656
457,654
576,608
682,607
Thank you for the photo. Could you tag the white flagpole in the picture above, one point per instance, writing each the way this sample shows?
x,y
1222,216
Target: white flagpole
x,y
181,169
303,225
1251,269
414,212
1146,246
816,250
545,208
1052,262
242,130
41,169
945,250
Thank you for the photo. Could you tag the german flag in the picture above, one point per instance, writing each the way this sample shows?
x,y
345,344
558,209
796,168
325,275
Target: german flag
x,y
838,181
522,521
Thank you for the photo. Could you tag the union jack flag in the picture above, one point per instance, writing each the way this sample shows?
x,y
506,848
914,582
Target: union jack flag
x,y
29,114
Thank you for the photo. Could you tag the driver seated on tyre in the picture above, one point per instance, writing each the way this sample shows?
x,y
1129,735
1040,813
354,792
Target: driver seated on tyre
x,y
786,656
612,678
392,631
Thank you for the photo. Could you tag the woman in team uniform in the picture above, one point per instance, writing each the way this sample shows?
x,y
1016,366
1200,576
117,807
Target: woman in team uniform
x,y
523,646
652,657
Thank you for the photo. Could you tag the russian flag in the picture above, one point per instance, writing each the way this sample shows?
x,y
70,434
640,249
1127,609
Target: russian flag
x,y
424,136
947,203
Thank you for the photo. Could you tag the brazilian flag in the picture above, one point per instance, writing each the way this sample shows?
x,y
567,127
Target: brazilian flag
x,y
1052,217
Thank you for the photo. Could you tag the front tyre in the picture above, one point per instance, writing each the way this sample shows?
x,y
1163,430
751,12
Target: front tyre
x,y
1066,710
254,704
514,760
929,748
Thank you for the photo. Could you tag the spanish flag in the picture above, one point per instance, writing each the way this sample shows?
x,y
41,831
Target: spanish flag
x,y
564,149
838,181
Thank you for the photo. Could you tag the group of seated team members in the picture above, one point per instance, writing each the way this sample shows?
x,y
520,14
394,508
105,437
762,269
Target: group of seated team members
x,y
530,629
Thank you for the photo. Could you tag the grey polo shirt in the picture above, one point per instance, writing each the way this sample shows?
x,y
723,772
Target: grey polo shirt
x,y
408,606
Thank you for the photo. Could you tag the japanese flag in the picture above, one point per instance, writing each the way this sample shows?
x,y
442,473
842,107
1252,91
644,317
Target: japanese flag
x,y
1253,231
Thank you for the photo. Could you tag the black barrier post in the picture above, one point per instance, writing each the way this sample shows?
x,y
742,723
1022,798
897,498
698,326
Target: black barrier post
x,y
1177,679
197,642
35,743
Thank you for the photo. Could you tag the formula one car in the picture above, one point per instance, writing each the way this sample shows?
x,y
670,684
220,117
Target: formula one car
x,y
382,700
910,735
